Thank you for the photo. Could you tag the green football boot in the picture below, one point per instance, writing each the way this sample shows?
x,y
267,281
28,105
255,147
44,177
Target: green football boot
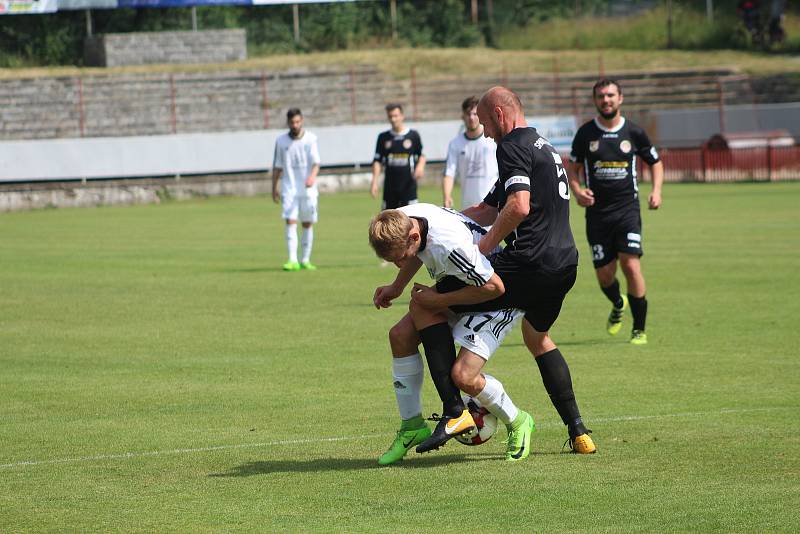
x,y
308,266
402,443
291,266
614,323
518,444
638,337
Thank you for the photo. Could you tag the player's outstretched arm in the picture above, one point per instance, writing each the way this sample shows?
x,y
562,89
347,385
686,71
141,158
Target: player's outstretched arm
x,y
654,202
429,298
447,191
482,213
518,205
384,295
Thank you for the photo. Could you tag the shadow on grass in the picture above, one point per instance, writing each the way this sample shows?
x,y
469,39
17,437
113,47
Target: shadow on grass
x,y
349,464
563,343
279,269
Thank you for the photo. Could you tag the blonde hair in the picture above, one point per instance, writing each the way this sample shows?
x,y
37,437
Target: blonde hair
x,y
388,233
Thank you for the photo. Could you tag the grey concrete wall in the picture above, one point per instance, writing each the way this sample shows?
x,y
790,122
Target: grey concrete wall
x,y
144,48
235,99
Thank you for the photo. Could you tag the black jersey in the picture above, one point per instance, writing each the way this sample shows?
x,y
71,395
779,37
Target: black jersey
x,y
543,241
609,160
399,154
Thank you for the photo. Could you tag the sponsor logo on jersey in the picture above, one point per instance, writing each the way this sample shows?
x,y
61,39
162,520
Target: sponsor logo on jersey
x,y
387,145
610,135
594,146
406,143
625,146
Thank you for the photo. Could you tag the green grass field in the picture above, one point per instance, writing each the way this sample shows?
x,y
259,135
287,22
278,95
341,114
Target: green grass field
x,y
160,374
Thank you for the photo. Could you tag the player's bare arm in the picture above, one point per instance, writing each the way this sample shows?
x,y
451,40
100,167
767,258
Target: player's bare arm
x,y
584,196
419,170
429,298
447,191
482,213
312,176
276,176
384,295
376,174
654,202
517,207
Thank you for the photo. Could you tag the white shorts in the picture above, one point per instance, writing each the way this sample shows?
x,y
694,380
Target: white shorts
x,y
482,332
302,208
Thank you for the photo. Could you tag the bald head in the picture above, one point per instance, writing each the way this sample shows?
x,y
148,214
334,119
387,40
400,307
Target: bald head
x,y
500,111
503,97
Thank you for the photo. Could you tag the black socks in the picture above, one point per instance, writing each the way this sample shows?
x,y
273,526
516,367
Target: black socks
x,y
612,293
440,352
639,311
558,383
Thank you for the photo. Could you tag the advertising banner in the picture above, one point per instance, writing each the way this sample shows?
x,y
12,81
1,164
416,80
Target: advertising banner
x,y
27,7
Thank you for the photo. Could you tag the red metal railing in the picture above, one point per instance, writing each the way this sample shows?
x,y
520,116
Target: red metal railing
x,y
745,164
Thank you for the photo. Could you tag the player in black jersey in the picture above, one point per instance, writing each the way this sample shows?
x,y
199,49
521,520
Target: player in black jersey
x,y
604,153
529,209
399,151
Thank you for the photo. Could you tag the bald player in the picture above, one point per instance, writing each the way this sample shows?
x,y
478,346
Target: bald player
x,y
528,208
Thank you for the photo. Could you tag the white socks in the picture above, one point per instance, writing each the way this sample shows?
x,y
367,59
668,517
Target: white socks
x,y
306,242
291,241
495,399
407,374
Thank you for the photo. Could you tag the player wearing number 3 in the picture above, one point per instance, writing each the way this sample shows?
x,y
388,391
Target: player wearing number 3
x,y
604,151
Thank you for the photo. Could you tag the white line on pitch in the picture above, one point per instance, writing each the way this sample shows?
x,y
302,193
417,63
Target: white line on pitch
x,y
128,455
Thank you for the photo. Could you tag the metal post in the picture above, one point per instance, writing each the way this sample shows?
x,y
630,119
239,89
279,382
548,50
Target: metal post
x,y
81,112
414,91
393,15
296,22
769,159
720,106
194,18
173,105
353,95
89,28
669,23
265,100
556,85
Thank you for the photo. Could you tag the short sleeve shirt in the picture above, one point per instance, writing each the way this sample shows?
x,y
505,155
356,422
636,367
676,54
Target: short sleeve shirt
x,y
543,241
449,246
609,161
296,157
474,163
399,154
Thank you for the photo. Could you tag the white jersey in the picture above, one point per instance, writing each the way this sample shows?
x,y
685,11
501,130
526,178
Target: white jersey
x,y
449,244
474,163
450,248
296,157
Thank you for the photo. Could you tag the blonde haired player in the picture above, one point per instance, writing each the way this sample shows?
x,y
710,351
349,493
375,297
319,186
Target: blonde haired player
x,y
296,165
445,242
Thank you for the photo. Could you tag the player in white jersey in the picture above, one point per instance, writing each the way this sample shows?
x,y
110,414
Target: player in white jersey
x,y
470,158
445,242
296,165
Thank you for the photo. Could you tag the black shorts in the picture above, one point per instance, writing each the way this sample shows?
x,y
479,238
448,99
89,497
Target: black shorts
x,y
393,203
539,294
610,234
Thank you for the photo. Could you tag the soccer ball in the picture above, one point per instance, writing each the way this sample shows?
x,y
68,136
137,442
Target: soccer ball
x,y
486,422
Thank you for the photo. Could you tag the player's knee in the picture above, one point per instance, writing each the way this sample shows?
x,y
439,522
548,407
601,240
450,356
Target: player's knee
x,y
631,266
403,337
463,378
